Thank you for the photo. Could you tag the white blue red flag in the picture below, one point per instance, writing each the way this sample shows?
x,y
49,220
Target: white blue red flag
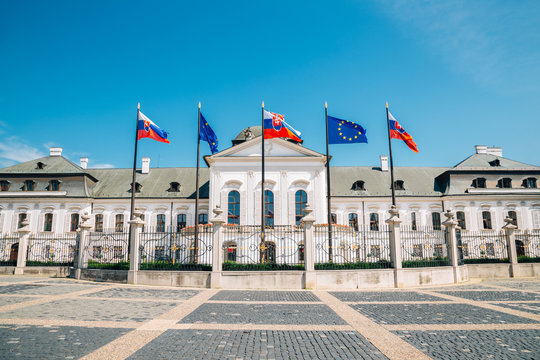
x,y
275,126
147,129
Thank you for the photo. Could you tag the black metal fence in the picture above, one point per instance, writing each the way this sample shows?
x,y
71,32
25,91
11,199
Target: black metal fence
x,y
281,249
423,247
46,249
170,249
528,245
351,247
9,249
485,246
108,249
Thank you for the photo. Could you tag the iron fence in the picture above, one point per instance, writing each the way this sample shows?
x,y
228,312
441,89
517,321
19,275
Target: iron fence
x,y
281,249
484,246
49,249
108,249
528,245
351,247
423,247
9,249
176,249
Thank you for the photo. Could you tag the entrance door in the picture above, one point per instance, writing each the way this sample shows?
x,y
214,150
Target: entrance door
x,y
14,252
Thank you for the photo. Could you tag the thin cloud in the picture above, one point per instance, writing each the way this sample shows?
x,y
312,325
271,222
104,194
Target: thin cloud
x,y
13,151
102,166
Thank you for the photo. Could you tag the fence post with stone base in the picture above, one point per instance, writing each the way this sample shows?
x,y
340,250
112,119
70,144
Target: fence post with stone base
x,y
451,241
24,234
309,249
395,245
510,230
217,253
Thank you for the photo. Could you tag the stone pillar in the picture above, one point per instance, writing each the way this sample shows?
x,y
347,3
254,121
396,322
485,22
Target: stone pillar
x,y
217,252
81,261
395,245
24,234
309,249
135,254
451,242
510,229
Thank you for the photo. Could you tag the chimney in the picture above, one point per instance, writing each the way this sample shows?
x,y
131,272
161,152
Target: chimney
x,y
481,149
55,151
497,151
145,165
384,162
84,162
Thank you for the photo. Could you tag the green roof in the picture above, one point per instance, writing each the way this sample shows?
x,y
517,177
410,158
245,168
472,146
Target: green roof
x,y
50,165
482,162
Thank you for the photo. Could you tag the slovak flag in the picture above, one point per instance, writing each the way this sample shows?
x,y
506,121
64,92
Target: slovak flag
x,y
275,126
397,132
147,129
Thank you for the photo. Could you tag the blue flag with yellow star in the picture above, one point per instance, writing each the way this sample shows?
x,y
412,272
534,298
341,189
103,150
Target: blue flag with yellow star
x,y
208,135
345,132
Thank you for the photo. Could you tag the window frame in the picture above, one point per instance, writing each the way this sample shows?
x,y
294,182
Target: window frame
x,y
233,207
98,225
268,208
47,222
119,223
161,220
374,221
486,220
462,222
74,219
436,220
181,224
299,205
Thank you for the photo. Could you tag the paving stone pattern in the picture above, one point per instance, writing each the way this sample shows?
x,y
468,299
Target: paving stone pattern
x,y
235,295
53,342
258,344
15,279
264,314
40,289
476,344
526,307
435,314
349,296
533,285
494,295
142,293
14,299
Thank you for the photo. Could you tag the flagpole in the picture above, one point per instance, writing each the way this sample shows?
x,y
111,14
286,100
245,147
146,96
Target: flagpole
x,y
262,181
391,160
132,208
196,233
328,194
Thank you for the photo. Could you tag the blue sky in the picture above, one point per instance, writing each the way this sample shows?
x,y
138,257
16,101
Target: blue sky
x,y
455,73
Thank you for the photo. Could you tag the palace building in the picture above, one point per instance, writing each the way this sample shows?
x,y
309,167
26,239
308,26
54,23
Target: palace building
x,y
52,193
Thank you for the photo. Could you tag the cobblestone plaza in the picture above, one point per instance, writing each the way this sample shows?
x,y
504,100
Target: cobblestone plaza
x,y
53,318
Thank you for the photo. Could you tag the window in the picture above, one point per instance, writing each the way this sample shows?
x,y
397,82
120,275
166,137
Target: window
x,y
399,185
479,183
374,222
203,219
300,205
47,224
460,215
229,250
495,163
486,220
29,185
413,221
175,187
417,250
436,220
333,218
98,223
119,223
54,185
40,165
268,208
504,183
529,183
74,222
512,215
160,223
233,215
138,187
118,252
358,185
22,217
353,221
4,185
180,222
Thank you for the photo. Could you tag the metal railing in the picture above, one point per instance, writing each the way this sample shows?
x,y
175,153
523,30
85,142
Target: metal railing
x,y
108,249
176,249
9,248
51,249
484,246
351,247
423,247
282,248
528,245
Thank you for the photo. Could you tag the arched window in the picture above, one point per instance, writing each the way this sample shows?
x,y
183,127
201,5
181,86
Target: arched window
x,y
353,221
233,215
486,220
300,205
504,183
374,222
436,220
413,221
268,208
98,223
180,222
74,223
529,183
119,222
512,215
47,224
160,223
479,183
333,217
203,219
460,215
358,185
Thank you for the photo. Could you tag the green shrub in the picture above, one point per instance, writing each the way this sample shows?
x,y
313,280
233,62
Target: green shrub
x,y
484,261
121,265
232,266
47,263
528,259
167,265
437,261
381,264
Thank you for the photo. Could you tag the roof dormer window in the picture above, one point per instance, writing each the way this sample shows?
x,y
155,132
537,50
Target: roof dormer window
x,y
138,187
495,163
529,183
479,183
29,185
40,165
399,185
4,185
175,187
504,183
54,185
358,185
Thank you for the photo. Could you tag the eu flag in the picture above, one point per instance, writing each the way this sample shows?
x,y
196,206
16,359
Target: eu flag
x,y
208,135
345,132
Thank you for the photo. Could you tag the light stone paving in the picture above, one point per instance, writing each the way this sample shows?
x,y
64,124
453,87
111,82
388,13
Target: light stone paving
x,y
69,319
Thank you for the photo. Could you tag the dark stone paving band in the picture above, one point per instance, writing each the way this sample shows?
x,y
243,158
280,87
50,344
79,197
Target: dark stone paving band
x,y
238,295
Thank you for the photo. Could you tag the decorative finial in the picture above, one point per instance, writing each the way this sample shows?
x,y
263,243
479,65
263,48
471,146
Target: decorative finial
x,y
263,104
387,104
325,105
199,104
138,106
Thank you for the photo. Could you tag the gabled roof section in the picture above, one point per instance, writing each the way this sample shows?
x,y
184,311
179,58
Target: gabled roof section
x,y
50,165
482,162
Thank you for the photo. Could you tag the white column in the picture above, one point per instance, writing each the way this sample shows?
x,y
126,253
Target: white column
x,y
395,244
217,252
309,249
450,225
81,261
510,229
24,234
135,253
